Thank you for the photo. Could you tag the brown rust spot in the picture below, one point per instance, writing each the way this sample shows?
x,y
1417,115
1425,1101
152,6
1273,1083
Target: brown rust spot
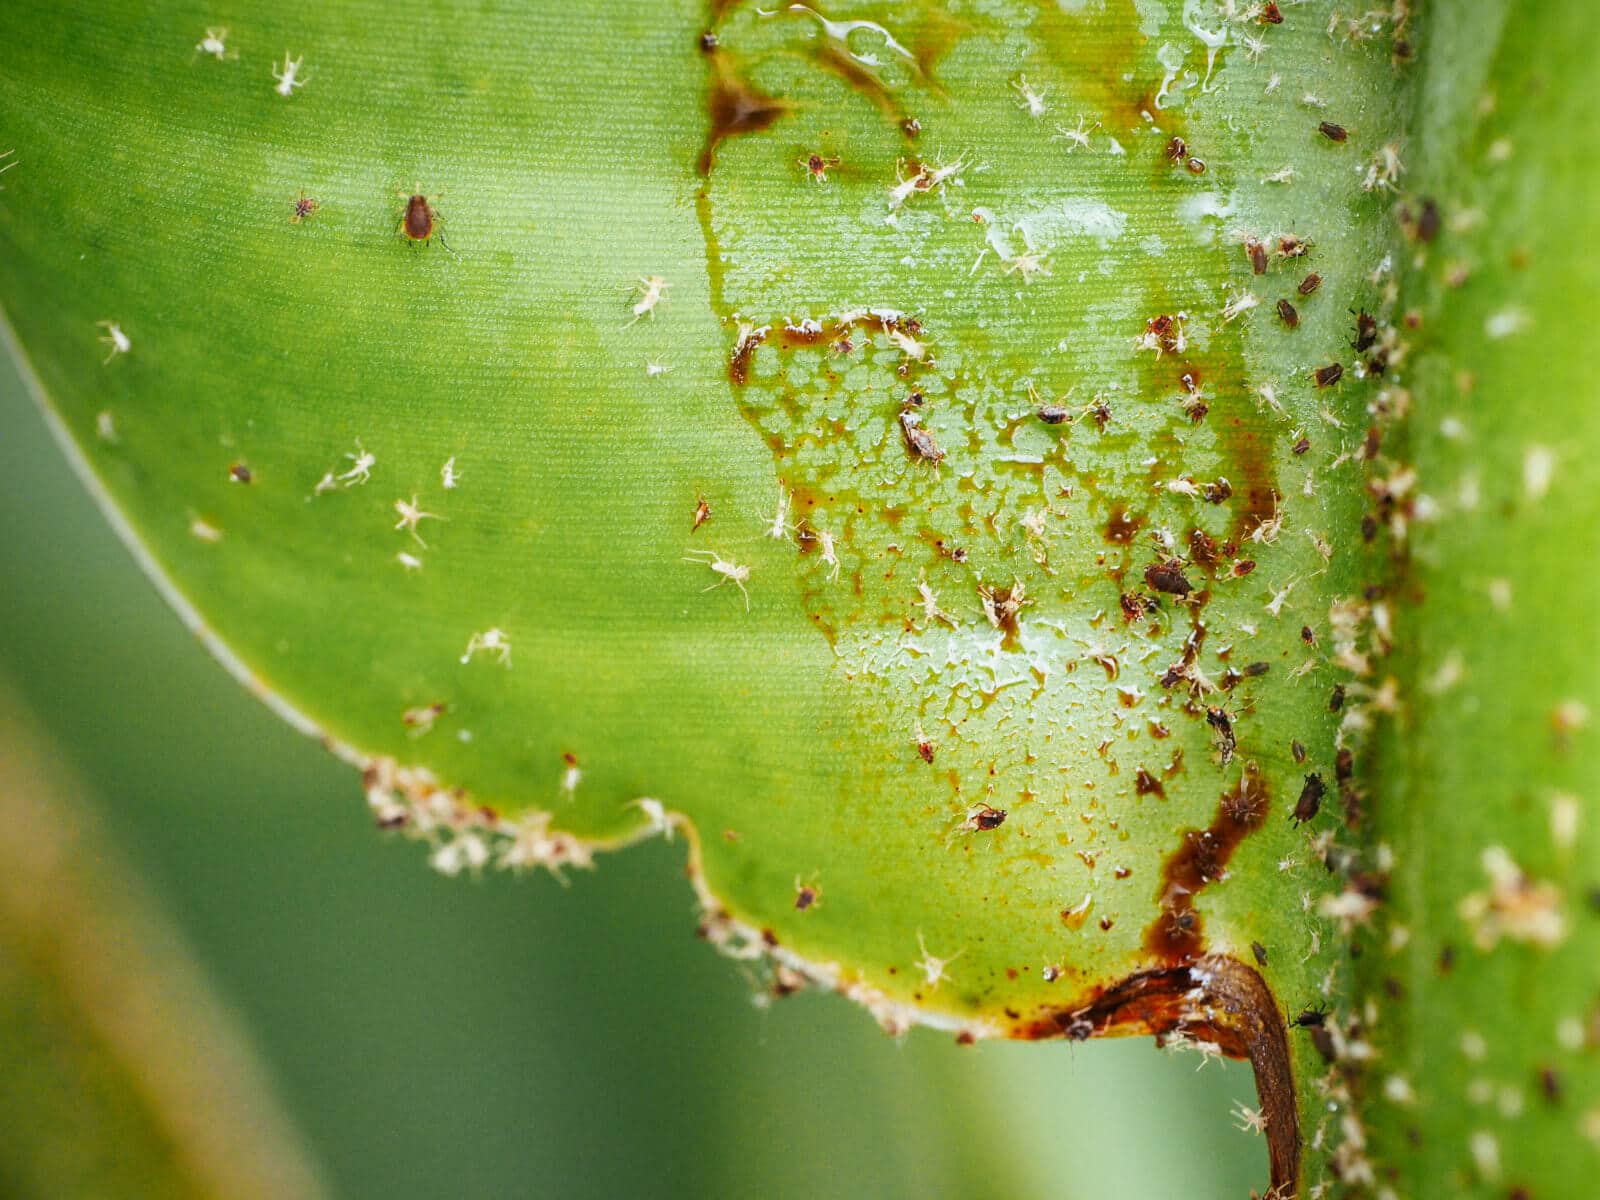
x,y
1122,526
1200,859
735,108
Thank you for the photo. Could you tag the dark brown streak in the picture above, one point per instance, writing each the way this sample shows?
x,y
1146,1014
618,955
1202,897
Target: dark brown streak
x,y
1216,999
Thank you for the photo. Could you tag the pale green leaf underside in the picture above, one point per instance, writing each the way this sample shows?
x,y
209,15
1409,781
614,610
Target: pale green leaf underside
x,y
155,190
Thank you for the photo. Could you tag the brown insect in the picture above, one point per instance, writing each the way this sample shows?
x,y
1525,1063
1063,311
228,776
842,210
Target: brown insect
x,y
1328,376
1301,447
1177,149
1168,577
1288,314
1366,330
1260,952
1136,605
1222,734
1270,16
1052,414
1258,255
1310,283
1310,799
1290,246
817,166
1197,166
984,818
239,473
702,512
805,896
303,208
419,220
1334,133
1311,1018
918,440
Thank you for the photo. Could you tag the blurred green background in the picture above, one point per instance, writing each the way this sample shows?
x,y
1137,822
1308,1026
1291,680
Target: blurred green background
x,y
504,1036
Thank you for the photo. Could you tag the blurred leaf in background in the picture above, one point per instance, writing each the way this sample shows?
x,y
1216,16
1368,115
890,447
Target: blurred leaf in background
x,y
428,1038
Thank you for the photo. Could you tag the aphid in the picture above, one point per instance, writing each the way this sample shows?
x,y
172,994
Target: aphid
x,y
1366,331
930,605
1310,801
1260,953
1328,376
779,529
410,515
1550,1084
1300,447
1291,246
829,554
1334,133
493,640
1310,283
1076,138
420,720
1249,1120
918,440
304,207
817,165
1336,698
1297,751
1031,99
1288,314
1311,1017
1344,765
1164,334
925,746
1222,735
652,291
116,339
1196,166
1428,220
1258,255
702,512
1177,149
731,572
1052,414
1242,568
984,818
419,220
1002,605
239,473
214,43
933,968
1168,577
288,79
805,895
361,464
1269,15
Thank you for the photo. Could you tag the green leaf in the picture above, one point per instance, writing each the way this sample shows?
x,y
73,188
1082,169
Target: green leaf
x,y
901,451
1478,989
